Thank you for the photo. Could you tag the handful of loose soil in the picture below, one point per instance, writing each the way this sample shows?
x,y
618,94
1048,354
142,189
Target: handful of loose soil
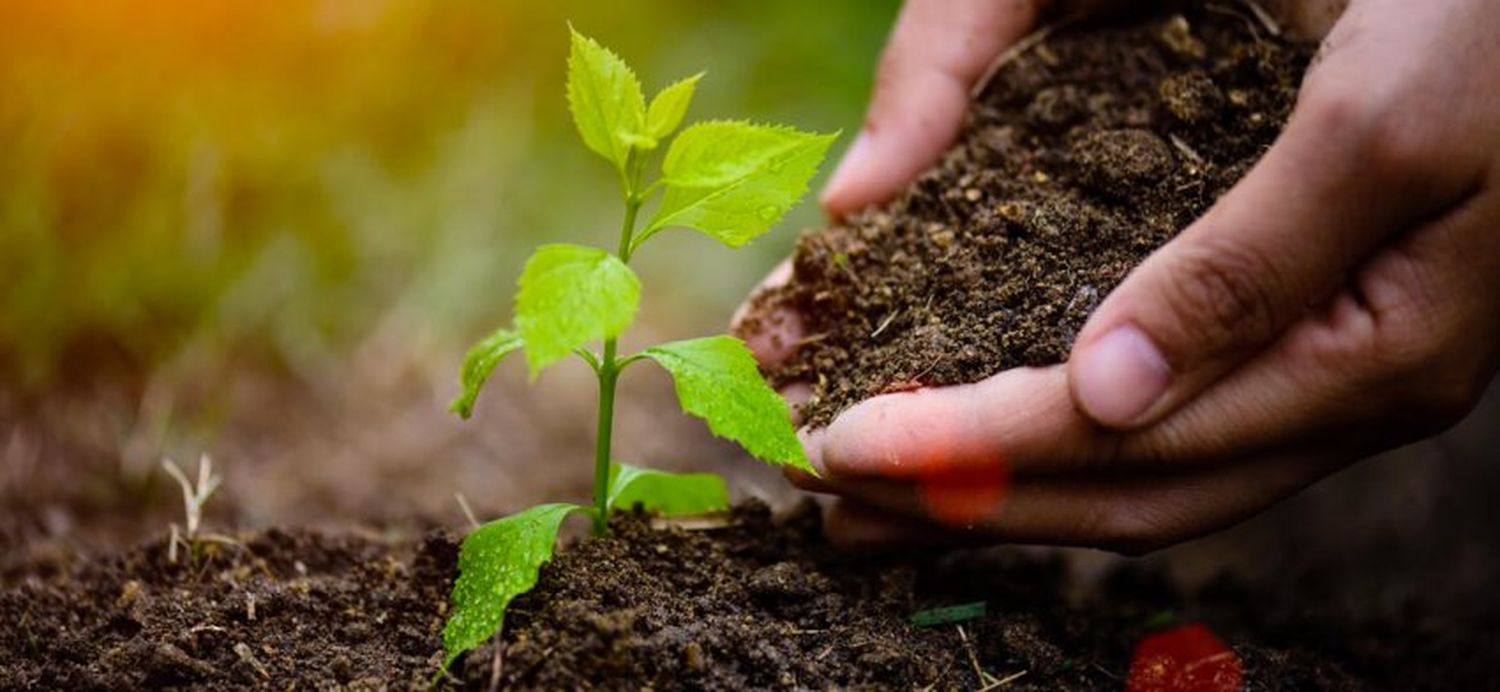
x,y
1083,154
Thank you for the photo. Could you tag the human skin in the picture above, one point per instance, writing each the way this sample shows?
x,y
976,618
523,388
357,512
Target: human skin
x,y
1341,300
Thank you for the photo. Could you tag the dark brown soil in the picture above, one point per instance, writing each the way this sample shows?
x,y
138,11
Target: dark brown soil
x,y
764,602
759,603
1083,155
279,609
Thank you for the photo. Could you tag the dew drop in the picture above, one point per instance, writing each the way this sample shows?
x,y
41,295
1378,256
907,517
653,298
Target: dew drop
x,y
769,212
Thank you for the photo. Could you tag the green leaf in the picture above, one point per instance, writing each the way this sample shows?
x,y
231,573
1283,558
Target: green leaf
x,y
569,295
605,98
667,493
734,180
718,381
498,562
478,364
669,105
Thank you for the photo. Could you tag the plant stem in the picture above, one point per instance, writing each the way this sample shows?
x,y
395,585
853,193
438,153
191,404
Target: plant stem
x,y
607,376
608,372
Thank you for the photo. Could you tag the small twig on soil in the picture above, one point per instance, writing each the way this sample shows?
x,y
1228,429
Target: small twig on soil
x,y
546,654
1229,12
969,649
844,265
463,504
249,607
1002,682
496,665
1104,670
811,339
222,539
1265,17
1016,50
1196,182
1186,150
242,650
941,676
885,322
829,649
1189,668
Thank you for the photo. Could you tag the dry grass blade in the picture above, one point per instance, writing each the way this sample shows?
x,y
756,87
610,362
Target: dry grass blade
x,y
1002,682
194,496
969,650
1264,17
463,504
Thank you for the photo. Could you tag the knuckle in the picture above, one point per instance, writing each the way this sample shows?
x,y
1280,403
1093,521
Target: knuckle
x,y
1329,107
1220,296
1377,133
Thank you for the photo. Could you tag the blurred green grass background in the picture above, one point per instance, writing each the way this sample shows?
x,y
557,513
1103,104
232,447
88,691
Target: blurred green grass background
x,y
181,177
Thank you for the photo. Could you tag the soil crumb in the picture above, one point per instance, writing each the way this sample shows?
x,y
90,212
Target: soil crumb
x,y
759,603
1082,155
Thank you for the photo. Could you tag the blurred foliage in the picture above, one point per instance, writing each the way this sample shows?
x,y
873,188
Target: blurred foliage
x,y
291,177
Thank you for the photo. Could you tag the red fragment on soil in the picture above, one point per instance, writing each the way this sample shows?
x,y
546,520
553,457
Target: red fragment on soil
x,y
1189,658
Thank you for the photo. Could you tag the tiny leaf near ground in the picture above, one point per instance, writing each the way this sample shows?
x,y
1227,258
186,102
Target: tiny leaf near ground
x,y
669,494
605,98
479,363
498,562
734,180
717,380
570,295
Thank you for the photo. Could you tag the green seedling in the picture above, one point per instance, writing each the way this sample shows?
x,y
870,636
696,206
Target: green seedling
x,y
731,180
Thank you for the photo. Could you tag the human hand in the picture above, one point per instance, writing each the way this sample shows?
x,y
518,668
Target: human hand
x,y
1341,300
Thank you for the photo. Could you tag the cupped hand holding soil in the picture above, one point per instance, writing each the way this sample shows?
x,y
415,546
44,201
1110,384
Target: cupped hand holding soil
x,y
1021,346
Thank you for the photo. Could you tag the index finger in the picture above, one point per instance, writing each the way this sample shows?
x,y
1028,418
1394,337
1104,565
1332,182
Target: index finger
x,y
936,52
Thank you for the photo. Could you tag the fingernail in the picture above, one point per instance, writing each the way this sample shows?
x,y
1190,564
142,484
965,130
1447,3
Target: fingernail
x,y
1120,376
812,445
854,159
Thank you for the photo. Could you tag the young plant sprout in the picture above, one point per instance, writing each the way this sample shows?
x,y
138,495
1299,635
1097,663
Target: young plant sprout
x,y
731,180
194,496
